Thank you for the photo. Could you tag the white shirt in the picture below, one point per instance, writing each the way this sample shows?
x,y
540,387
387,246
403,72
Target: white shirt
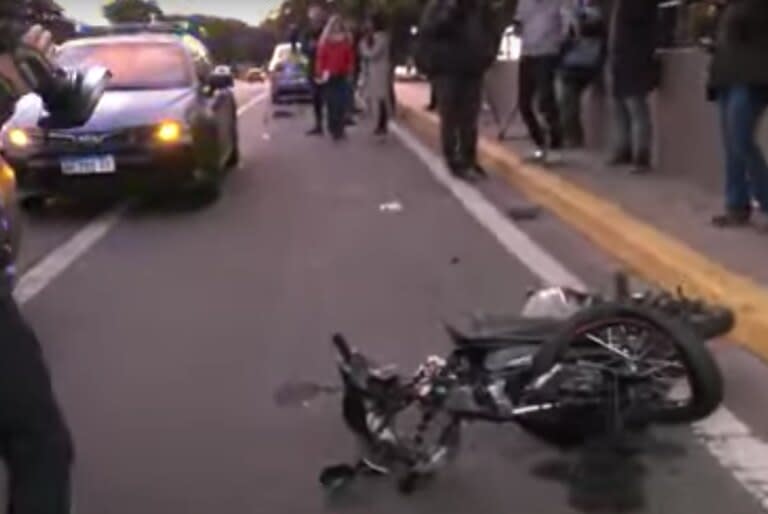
x,y
544,25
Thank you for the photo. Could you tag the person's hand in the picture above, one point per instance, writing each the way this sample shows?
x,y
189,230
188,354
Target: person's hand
x,y
37,50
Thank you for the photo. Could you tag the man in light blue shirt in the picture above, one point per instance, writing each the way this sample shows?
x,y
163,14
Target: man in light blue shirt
x,y
543,26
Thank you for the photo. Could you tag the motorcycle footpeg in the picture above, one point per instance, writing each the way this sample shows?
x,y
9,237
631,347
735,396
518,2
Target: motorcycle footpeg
x,y
337,476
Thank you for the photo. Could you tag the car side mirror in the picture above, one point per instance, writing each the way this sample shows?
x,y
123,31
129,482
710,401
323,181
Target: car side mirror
x,y
221,79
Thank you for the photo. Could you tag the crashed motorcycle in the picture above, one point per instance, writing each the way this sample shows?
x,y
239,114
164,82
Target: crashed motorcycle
x,y
573,367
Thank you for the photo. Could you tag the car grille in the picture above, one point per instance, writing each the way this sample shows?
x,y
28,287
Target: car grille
x,y
60,141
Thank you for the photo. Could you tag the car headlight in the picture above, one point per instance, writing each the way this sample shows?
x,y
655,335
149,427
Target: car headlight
x,y
169,132
18,138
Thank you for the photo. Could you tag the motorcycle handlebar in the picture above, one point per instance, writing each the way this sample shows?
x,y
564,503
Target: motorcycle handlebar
x,y
342,346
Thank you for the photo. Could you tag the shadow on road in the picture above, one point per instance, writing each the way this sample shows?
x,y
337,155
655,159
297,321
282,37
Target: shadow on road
x,y
607,476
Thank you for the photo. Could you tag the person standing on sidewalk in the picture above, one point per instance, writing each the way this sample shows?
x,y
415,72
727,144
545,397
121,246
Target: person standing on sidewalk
x,y
334,67
317,20
543,26
739,82
458,41
375,52
633,74
581,64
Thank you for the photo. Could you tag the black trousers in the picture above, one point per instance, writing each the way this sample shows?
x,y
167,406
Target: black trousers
x,y
34,439
382,121
318,102
459,98
537,85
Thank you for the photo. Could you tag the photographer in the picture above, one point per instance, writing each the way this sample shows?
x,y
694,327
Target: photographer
x,y
35,441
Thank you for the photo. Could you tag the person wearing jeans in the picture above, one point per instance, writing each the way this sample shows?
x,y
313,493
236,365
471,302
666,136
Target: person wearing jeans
x,y
544,26
739,83
580,65
633,75
335,63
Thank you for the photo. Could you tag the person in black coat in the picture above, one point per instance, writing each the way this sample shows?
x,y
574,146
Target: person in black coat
x,y
317,19
739,82
633,73
458,42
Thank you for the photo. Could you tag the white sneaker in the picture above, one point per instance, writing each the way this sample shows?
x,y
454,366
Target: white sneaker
x,y
538,155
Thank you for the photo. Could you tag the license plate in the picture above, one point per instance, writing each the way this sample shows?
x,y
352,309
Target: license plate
x,y
88,165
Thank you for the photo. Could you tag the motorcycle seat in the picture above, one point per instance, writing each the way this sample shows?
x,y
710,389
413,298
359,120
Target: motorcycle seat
x,y
505,331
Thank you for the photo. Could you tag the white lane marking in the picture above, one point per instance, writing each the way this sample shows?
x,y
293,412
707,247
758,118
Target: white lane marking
x,y
724,435
514,240
43,273
56,262
251,103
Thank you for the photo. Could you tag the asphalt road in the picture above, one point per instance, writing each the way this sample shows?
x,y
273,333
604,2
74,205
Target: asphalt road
x,y
169,338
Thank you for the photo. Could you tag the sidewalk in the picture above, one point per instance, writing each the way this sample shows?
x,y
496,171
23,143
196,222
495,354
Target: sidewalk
x,y
657,225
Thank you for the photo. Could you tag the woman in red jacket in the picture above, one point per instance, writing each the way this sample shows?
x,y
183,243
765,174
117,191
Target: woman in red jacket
x,y
334,66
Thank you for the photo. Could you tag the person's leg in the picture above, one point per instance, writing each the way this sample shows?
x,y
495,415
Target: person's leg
x,y
383,120
447,112
36,444
526,96
335,93
317,104
568,110
737,192
621,151
751,108
545,86
642,132
470,111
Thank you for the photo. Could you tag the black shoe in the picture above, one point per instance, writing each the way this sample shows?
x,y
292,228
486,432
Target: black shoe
x,y
350,122
732,219
620,159
642,164
317,131
380,132
479,170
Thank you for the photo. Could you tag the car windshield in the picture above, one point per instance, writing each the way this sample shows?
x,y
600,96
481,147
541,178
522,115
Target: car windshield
x,y
134,65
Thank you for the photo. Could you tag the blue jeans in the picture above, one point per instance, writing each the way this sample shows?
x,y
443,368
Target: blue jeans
x,y
746,172
337,99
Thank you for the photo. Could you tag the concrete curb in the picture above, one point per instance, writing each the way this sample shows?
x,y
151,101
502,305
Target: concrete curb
x,y
646,251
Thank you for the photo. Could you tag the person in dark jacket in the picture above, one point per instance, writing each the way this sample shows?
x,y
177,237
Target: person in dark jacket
x,y
35,442
581,64
739,82
458,41
633,75
317,20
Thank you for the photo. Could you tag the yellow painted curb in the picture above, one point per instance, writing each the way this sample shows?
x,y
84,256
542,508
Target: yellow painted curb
x,y
646,251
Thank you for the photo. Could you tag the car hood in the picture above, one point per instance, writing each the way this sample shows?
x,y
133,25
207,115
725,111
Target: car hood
x,y
117,109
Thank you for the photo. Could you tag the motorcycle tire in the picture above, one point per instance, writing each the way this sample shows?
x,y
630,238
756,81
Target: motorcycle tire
x,y
704,376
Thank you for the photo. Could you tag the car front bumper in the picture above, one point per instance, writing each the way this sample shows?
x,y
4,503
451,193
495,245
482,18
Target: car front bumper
x,y
136,170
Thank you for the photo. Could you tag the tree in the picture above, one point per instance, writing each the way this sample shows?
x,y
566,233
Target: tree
x,y
129,11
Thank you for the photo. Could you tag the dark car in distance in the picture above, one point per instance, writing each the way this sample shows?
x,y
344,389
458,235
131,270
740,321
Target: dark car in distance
x,y
166,122
289,75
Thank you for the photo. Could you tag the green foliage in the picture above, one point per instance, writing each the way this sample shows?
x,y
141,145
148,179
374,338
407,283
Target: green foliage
x,y
130,11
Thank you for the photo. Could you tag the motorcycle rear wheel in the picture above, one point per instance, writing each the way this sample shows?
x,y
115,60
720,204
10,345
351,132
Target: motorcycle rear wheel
x,y
703,376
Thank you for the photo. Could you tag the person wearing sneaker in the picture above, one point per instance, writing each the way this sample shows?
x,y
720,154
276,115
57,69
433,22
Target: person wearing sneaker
x,y
543,27
458,41
738,81
633,75
375,52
